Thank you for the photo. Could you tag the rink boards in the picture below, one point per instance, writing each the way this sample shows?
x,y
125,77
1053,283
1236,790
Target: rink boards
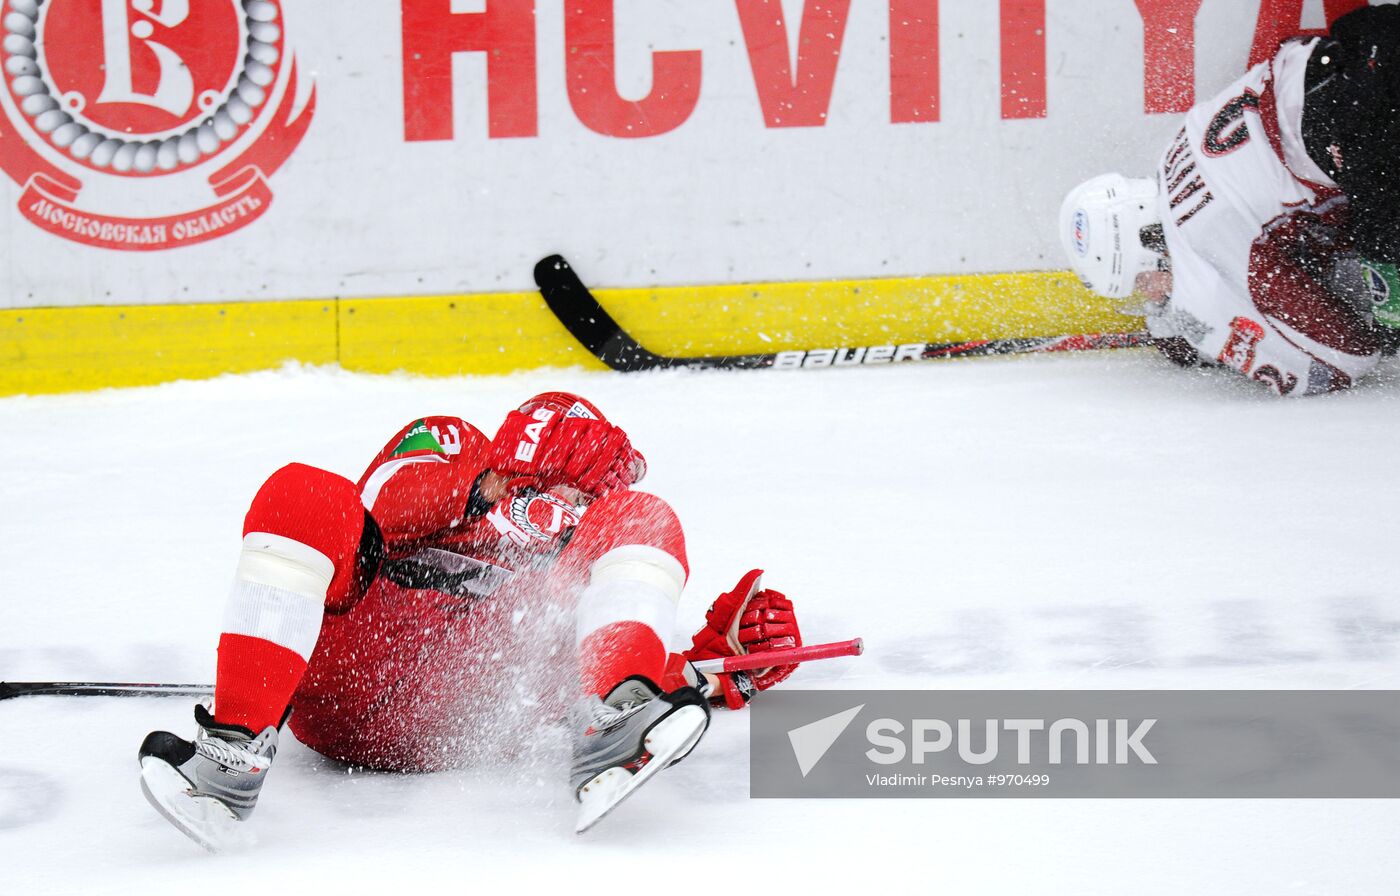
x,y
230,185
48,350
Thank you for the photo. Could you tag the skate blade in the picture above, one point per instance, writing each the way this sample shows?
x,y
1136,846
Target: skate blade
x,y
669,739
203,819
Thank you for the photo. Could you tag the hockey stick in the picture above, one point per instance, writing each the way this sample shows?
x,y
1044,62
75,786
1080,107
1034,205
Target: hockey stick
x,y
588,322
763,660
10,689
853,647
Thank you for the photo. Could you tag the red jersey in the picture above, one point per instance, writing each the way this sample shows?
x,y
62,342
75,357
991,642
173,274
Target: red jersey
x,y
470,604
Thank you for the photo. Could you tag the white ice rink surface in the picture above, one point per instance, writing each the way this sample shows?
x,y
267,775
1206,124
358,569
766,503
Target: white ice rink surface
x,y
1067,522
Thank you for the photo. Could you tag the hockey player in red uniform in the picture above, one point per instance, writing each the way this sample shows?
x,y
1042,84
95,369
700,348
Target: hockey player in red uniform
x,y
387,620
1267,241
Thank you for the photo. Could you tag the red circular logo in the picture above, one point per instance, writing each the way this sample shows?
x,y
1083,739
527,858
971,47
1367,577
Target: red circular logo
x,y
542,516
141,87
121,92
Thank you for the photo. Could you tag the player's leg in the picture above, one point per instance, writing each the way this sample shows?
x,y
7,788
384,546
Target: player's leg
x,y
1292,362
642,710
631,552
1315,342
309,548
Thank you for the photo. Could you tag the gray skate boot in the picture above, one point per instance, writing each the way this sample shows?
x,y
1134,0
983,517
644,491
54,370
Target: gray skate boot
x,y
209,786
629,736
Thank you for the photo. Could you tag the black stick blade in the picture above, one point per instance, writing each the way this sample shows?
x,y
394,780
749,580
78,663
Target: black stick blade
x,y
590,323
101,689
587,321
596,330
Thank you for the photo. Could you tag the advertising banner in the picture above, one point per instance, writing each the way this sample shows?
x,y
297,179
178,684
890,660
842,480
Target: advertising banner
x,y
182,152
205,150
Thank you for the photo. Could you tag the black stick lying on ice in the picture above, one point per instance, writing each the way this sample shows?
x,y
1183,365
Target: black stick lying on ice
x,y
589,323
806,654
100,689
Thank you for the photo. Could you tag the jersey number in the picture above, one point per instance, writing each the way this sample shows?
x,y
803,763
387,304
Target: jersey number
x,y
1227,131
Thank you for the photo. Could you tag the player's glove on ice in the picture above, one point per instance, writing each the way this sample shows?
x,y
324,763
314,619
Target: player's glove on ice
x,y
749,619
592,456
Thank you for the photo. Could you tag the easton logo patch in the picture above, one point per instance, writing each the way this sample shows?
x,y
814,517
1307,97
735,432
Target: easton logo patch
x,y
179,106
526,447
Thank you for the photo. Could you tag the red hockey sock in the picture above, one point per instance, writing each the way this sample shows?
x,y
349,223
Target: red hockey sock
x,y
256,679
618,650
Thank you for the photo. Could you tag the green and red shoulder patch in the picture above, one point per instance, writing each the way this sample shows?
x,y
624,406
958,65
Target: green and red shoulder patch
x,y
418,439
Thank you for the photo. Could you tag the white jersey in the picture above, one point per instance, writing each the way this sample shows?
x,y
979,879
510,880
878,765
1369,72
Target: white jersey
x,y
1236,171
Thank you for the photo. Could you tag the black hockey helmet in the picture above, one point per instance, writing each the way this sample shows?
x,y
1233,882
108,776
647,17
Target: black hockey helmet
x,y
1351,122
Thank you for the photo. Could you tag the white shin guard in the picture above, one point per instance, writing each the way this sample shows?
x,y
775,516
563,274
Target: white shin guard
x,y
633,583
279,592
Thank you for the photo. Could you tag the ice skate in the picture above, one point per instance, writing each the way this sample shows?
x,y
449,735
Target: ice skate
x,y
629,736
208,787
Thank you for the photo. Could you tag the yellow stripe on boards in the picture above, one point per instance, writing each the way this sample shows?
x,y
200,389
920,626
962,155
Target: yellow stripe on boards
x,y
451,335
771,317
44,350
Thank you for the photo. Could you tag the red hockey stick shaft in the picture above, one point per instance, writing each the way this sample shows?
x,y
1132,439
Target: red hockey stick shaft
x,y
766,658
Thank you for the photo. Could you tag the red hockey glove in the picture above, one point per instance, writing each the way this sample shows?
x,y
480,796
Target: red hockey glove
x,y
590,455
749,619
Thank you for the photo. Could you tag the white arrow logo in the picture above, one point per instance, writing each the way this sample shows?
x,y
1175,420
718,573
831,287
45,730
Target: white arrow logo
x,y
811,741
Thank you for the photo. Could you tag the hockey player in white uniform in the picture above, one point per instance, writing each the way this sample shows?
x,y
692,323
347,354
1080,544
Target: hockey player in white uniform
x,y
1267,240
